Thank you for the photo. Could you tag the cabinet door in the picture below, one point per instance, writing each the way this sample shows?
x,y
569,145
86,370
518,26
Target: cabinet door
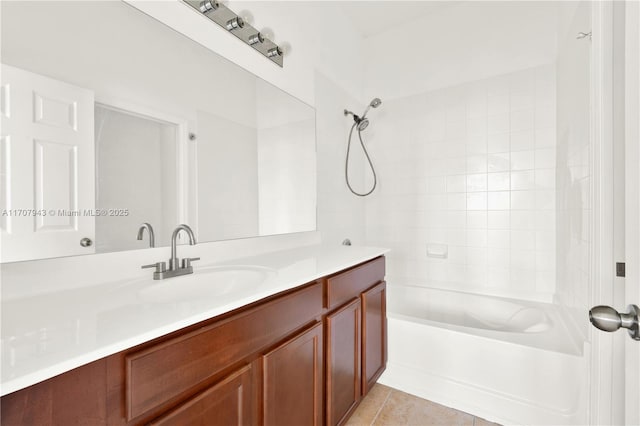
x,y
343,362
374,335
293,381
227,403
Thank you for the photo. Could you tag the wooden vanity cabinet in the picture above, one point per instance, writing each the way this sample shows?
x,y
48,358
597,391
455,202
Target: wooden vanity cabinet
x,y
302,357
356,337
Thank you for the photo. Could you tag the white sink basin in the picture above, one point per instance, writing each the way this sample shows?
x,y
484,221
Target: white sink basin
x,y
209,282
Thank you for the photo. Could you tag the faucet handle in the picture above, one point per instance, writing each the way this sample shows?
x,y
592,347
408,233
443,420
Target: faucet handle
x,y
186,262
160,266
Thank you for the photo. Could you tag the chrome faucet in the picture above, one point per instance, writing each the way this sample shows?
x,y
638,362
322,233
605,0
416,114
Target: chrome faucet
x,y
152,236
176,266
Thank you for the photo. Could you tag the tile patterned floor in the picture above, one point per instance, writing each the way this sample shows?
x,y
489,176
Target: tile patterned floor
x,y
385,406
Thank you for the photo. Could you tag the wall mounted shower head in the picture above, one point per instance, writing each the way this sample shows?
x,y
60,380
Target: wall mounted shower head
x,y
362,122
375,103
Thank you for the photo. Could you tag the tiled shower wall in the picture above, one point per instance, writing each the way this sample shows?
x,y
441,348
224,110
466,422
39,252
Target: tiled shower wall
x,y
467,194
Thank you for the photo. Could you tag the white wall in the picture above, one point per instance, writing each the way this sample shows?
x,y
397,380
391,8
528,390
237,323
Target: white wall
x,y
227,160
468,42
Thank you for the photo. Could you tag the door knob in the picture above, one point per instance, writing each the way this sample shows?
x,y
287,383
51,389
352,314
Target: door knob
x,y
86,242
608,319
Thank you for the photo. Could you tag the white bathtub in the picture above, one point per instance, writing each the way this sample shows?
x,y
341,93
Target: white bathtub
x,y
508,361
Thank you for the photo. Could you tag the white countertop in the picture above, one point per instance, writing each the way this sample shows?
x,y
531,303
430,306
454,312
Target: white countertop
x,y
48,334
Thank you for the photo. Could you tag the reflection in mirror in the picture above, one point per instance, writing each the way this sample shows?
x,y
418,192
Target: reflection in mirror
x,y
96,128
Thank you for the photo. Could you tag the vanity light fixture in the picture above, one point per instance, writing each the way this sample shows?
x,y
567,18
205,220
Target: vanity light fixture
x,y
274,52
235,23
256,38
217,12
208,5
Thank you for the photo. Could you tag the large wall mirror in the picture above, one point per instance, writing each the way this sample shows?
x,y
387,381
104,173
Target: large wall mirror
x,y
110,119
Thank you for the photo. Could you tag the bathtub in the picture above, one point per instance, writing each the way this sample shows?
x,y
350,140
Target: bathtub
x,y
505,360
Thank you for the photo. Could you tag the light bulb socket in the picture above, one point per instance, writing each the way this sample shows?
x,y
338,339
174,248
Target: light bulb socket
x,y
235,23
274,52
256,38
207,6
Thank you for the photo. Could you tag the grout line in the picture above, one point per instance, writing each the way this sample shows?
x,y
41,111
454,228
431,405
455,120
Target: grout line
x,y
380,409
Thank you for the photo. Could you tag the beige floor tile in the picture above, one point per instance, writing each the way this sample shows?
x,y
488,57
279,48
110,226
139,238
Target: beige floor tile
x,y
402,409
369,407
477,421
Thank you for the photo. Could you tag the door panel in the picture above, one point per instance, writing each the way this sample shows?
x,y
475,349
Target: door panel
x,y
343,363
293,381
374,335
227,403
47,166
632,210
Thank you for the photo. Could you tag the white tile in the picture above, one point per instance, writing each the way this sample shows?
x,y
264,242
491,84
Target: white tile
x,y
499,162
545,137
436,184
523,259
476,220
456,219
545,260
477,201
477,182
477,164
457,255
456,201
522,160
545,178
498,181
497,104
546,281
477,126
476,275
456,183
546,220
455,130
545,200
498,257
477,144
520,101
522,141
545,158
522,120
523,240
523,200
522,180
477,104
498,142
498,219
545,116
498,277
545,240
523,219
455,166
498,238
498,124
498,200
476,237
457,237
476,256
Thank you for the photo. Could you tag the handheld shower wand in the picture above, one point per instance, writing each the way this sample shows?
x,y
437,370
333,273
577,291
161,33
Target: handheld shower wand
x,y
360,123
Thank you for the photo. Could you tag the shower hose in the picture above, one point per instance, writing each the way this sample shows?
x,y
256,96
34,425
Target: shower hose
x,y
346,163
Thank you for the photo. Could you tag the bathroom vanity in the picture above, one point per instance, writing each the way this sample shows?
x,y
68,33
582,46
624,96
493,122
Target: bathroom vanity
x,y
305,355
